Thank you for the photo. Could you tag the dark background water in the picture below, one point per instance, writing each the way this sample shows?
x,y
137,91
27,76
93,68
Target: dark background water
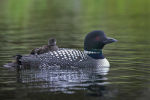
x,y
26,24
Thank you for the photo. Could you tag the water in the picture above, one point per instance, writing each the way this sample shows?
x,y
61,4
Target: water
x,y
27,24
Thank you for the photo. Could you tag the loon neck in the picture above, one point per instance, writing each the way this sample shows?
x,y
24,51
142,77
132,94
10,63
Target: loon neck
x,y
95,53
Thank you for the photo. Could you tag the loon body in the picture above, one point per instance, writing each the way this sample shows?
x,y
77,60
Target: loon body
x,y
46,48
91,56
63,57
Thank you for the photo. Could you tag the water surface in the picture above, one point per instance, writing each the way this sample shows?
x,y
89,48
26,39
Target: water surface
x,y
26,24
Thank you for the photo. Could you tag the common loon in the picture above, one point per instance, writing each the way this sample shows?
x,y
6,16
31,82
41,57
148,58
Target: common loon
x,y
46,48
91,56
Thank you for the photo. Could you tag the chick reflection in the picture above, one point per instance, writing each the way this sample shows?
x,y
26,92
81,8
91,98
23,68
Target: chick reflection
x,y
66,80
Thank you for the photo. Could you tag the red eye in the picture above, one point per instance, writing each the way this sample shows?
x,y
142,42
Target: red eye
x,y
97,38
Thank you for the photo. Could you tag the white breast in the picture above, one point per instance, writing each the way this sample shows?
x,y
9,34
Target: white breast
x,y
103,66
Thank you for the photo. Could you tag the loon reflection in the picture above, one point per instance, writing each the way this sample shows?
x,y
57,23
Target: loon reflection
x,y
66,80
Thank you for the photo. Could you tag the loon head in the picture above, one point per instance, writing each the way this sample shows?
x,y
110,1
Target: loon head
x,y
52,42
95,41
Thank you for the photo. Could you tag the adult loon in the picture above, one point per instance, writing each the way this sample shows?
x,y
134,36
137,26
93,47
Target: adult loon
x,y
46,48
91,56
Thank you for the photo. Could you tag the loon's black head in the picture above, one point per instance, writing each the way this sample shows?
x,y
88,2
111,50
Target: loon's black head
x,y
52,42
96,40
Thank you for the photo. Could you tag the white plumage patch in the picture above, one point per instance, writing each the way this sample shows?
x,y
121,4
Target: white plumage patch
x,y
67,54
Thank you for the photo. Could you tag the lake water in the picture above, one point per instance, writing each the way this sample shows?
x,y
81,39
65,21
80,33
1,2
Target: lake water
x,y
26,24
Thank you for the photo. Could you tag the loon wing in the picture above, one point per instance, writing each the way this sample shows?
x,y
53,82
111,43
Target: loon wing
x,y
61,57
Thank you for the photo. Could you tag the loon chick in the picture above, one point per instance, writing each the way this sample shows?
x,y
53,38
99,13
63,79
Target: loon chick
x,y
14,63
92,55
46,48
